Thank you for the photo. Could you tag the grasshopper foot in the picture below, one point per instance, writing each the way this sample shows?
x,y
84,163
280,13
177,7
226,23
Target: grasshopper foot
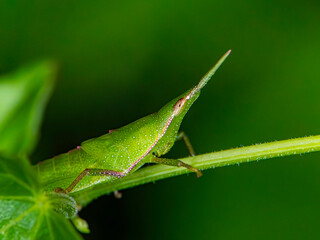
x,y
60,190
117,194
193,169
199,173
176,163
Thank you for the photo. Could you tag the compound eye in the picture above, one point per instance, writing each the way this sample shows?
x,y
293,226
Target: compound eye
x,y
177,108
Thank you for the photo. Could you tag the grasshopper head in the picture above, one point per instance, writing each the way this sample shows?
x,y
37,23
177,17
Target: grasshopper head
x,y
171,115
185,101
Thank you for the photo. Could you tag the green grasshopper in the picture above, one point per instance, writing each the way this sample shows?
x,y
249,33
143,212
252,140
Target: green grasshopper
x,y
124,150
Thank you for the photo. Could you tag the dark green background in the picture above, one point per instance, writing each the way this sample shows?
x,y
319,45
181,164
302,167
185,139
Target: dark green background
x,y
121,60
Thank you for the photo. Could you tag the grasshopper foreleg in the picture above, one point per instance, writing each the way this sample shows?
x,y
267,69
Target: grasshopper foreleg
x,y
90,172
176,163
184,137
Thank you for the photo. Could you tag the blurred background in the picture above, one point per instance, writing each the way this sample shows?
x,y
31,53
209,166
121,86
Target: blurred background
x,y
121,60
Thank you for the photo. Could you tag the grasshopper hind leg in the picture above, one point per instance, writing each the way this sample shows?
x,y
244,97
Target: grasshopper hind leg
x,y
89,172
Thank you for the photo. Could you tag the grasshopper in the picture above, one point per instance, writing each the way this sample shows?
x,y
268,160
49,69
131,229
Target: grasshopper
x,y
124,150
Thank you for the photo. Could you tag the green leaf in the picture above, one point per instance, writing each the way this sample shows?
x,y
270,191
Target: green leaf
x,y
25,211
23,96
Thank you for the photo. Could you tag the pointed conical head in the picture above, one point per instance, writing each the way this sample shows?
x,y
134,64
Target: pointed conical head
x,y
205,79
212,71
171,115
185,101
178,107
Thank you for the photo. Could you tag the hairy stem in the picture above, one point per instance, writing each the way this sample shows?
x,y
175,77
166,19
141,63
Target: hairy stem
x,y
204,161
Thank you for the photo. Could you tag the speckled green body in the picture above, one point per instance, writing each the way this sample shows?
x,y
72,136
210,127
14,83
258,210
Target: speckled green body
x,y
123,150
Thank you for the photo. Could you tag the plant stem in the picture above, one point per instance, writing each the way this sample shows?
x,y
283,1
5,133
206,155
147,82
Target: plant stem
x,y
204,161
